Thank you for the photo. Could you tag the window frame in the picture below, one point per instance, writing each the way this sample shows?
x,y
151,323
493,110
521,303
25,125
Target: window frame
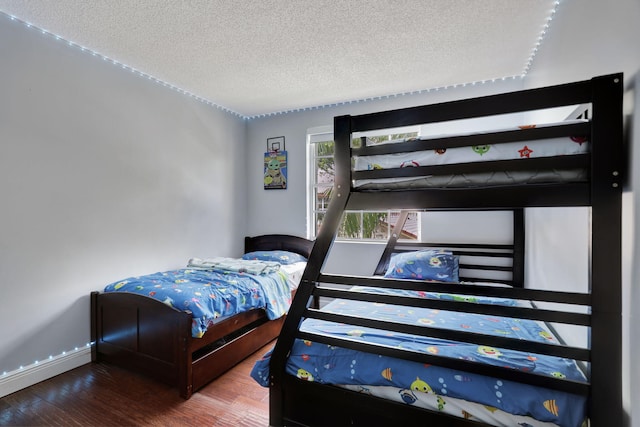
x,y
325,134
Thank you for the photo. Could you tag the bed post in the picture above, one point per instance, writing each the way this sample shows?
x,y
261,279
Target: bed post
x,y
606,247
94,326
518,248
184,356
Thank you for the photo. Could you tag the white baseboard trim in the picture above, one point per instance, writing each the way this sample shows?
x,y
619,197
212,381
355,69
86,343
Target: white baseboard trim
x,y
29,375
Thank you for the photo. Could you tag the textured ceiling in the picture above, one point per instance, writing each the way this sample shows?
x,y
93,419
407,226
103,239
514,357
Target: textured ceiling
x,y
261,57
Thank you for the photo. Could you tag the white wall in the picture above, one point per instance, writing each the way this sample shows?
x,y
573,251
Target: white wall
x,y
103,175
590,38
557,248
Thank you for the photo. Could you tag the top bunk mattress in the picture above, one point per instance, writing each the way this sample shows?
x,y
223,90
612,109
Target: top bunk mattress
x,y
488,152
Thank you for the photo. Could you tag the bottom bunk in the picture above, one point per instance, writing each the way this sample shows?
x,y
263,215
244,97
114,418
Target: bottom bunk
x,y
135,330
351,408
460,386
445,332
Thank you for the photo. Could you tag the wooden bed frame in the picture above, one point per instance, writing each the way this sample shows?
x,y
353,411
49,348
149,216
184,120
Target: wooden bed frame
x,y
469,254
296,402
146,336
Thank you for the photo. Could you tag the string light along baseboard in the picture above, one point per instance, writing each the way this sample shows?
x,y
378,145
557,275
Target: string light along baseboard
x,y
26,376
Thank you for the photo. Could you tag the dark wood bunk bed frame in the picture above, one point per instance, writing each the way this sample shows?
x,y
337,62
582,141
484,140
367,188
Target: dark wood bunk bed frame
x,y
296,402
144,335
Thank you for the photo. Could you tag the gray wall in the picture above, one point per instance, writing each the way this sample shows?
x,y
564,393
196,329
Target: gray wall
x,y
590,38
103,175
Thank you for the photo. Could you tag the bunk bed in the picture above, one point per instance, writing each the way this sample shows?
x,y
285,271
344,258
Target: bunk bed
x,y
302,395
148,336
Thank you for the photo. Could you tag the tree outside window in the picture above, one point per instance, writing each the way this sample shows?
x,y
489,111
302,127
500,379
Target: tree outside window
x,y
355,225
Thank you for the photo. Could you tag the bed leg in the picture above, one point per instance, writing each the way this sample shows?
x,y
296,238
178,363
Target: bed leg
x,y
186,392
185,358
275,405
94,326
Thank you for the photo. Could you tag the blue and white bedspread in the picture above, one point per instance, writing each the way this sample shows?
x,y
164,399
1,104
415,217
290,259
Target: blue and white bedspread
x,y
333,365
212,294
235,265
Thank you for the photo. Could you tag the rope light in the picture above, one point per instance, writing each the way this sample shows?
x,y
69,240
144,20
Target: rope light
x,y
294,110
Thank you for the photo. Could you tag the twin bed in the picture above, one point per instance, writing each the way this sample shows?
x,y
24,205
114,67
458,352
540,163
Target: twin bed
x,y
428,338
188,326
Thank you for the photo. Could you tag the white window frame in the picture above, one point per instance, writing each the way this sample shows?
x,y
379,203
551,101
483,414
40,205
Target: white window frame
x,y
322,134
314,135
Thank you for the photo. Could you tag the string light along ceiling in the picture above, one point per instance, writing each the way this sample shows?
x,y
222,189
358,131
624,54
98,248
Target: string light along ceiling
x,y
446,48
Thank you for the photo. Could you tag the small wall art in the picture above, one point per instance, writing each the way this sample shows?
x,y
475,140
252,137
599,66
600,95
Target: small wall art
x,y
275,164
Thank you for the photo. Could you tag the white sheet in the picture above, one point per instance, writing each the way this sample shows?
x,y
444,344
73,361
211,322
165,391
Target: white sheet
x,y
294,273
456,407
549,147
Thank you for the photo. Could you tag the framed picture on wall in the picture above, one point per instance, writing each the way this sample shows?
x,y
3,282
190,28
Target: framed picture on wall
x,y
275,170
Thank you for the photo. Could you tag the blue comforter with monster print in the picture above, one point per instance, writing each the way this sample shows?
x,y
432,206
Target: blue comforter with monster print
x,y
334,365
212,294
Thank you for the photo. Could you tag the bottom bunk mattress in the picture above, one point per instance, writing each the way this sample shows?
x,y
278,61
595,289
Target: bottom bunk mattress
x,y
214,289
472,396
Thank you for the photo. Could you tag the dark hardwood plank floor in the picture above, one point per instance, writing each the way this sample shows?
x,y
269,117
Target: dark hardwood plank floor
x,y
99,394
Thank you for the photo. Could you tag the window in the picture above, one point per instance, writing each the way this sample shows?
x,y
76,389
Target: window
x,y
355,225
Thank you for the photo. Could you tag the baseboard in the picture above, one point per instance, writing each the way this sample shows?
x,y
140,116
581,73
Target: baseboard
x,y
29,375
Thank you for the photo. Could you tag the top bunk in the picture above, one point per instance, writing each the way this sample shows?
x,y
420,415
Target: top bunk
x,y
563,163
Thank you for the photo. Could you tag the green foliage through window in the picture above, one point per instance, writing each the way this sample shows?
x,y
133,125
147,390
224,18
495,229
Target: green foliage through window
x,y
360,225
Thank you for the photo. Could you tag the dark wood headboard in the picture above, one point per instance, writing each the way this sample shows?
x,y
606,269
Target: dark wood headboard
x,y
283,242
495,254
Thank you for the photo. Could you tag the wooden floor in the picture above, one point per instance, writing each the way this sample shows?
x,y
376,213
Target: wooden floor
x,y
102,395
